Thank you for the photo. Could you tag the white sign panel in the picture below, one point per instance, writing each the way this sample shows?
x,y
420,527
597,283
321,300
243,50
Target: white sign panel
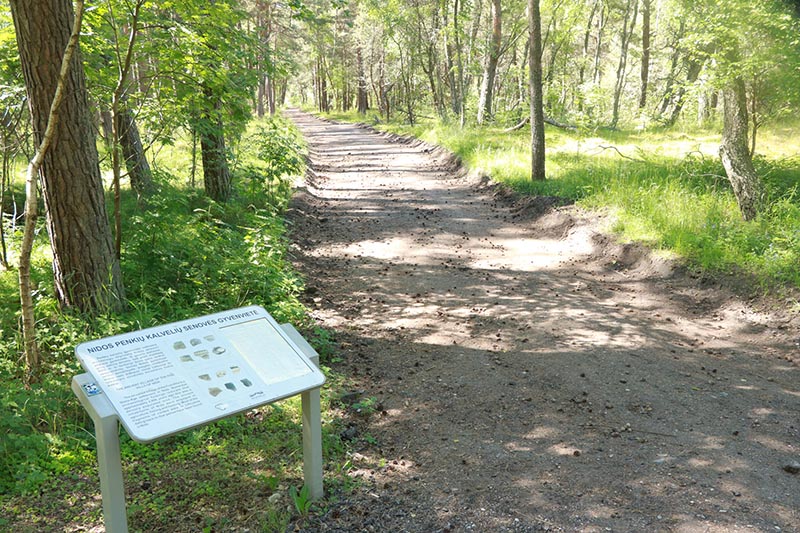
x,y
166,379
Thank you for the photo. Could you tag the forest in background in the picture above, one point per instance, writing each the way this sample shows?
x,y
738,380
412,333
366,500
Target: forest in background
x,y
691,105
634,64
171,91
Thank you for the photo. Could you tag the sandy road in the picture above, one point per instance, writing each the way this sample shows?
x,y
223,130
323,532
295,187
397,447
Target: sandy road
x,y
527,373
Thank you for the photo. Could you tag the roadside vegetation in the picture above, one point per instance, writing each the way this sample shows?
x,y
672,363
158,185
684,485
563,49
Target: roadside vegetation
x,y
184,255
182,211
663,187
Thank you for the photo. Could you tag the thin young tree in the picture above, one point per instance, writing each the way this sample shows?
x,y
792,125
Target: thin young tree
x,y
492,58
644,72
86,272
629,21
121,121
32,358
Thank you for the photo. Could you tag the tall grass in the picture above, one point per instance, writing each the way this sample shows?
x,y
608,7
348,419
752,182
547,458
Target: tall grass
x,y
665,188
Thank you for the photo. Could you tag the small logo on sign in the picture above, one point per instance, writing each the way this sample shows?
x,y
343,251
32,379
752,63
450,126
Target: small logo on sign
x,y
91,389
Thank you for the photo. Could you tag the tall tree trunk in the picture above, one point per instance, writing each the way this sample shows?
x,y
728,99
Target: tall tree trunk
x,y
361,97
133,152
523,78
262,81
86,272
679,98
477,10
216,174
627,32
449,59
322,75
735,153
586,37
673,68
270,95
644,74
457,5
537,109
492,58
598,51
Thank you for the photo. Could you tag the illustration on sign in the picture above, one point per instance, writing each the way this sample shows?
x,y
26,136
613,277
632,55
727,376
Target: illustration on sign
x,y
166,379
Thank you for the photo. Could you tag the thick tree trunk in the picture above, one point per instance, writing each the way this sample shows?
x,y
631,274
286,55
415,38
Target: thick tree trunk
x,y
735,153
493,57
537,110
644,74
323,100
86,271
216,174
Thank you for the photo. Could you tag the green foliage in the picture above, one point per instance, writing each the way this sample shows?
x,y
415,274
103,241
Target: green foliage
x,y
665,188
187,255
183,256
199,70
272,159
301,499
10,71
41,435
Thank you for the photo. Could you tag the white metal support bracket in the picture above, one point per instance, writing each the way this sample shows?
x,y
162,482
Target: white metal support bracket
x,y
106,424
106,428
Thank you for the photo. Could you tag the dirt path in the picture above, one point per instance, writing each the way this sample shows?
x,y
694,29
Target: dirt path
x,y
529,374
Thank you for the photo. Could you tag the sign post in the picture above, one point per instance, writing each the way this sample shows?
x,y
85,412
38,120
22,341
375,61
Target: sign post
x,y
164,380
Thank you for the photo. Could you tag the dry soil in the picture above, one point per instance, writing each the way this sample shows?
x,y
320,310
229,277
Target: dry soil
x,y
518,370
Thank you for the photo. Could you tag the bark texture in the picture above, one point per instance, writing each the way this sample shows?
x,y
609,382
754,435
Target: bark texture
x,y
537,109
631,12
133,152
216,174
644,73
493,57
735,152
86,272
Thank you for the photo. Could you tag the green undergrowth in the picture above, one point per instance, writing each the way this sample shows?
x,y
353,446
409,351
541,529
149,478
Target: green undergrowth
x,y
663,187
183,256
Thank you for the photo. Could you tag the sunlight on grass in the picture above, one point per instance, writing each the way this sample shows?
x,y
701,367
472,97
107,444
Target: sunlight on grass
x,y
665,188
183,255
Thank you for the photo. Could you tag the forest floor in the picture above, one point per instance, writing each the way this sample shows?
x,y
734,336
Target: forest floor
x,y
516,369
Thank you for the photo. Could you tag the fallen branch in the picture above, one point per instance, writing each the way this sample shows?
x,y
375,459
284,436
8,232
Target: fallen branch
x,y
602,147
548,120
518,126
557,124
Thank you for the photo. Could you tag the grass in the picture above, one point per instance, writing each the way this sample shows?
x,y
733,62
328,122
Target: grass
x,y
183,256
663,187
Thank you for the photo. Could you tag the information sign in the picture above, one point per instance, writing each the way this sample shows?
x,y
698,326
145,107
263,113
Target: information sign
x,y
169,378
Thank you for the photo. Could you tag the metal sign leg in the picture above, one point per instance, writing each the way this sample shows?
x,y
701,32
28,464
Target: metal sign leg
x,y
312,443
106,428
312,423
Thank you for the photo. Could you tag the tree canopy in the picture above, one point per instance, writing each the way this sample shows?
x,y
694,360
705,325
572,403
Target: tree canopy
x,y
158,74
